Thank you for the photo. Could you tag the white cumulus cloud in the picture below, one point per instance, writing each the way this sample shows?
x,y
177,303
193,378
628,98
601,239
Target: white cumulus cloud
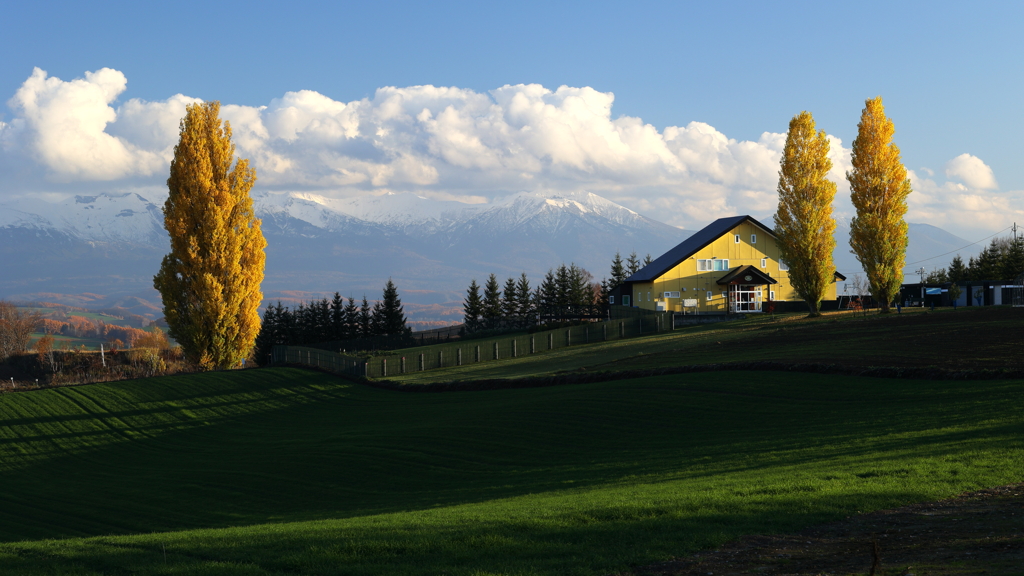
x,y
972,171
443,142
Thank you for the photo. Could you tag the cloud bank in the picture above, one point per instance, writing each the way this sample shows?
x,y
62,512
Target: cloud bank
x,y
444,142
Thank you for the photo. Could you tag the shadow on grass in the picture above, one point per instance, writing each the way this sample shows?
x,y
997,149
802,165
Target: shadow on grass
x,y
299,446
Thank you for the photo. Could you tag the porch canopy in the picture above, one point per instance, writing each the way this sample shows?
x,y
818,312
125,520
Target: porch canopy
x,y
746,275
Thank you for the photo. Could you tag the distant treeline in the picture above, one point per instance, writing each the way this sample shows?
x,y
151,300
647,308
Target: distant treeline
x,y
1002,259
330,320
566,288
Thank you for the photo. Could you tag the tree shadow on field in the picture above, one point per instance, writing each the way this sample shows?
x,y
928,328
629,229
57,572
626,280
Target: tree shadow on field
x,y
306,447
586,540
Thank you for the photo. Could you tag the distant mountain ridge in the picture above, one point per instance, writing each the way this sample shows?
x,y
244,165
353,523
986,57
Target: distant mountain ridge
x,y
112,244
104,249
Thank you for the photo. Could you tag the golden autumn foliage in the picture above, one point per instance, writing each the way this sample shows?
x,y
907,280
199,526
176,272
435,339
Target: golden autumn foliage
x,y
879,188
804,226
210,281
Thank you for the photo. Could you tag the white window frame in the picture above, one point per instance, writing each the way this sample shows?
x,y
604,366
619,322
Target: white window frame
x,y
753,238
736,239
764,262
702,265
710,295
611,299
648,296
783,267
771,294
721,265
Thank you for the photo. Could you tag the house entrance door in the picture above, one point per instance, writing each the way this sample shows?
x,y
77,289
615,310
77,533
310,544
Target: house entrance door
x,y
744,298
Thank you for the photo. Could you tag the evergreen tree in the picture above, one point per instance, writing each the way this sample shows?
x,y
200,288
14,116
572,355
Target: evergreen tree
x,y
879,188
618,273
632,264
472,307
604,293
510,301
547,292
957,271
337,317
804,226
365,319
268,336
391,311
988,264
210,280
580,291
352,325
1013,259
492,302
648,259
563,286
524,301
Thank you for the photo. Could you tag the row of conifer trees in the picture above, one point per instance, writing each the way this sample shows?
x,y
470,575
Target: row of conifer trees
x,y
516,305
331,320
1002,259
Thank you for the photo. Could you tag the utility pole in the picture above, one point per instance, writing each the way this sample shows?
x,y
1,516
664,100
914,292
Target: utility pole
x,y
921,272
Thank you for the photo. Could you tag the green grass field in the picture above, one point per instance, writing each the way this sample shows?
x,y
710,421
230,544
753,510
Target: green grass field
x,y
284,471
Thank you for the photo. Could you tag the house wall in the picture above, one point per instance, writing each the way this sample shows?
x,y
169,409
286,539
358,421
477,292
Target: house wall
x,y
690,283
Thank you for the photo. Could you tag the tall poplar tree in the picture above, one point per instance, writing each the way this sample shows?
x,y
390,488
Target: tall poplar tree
x,y
804,226
879,188
210,281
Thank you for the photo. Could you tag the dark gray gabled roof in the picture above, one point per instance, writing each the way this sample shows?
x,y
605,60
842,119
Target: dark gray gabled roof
x,y
691,246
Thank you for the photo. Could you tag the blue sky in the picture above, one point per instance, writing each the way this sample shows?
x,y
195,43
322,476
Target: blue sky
x,y
949,74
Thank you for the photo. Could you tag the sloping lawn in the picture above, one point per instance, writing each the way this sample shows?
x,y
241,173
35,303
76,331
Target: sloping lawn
x,y
284,471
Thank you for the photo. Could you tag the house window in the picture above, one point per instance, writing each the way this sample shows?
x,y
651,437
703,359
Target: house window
x,y
783,266
710,295
737,238
671,294
753,238
771,295
611,299
648,296
764,262
625,300
712,265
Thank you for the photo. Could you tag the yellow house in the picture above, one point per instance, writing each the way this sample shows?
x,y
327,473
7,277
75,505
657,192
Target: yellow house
x,y
730,266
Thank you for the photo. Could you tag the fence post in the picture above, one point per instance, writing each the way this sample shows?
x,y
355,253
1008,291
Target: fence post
x,y
586,334
495,350
403,364
421,362
533,345
384,367
476,354
551,340
366,369
514,348
604,331
440,358
568,337
622,329
458,357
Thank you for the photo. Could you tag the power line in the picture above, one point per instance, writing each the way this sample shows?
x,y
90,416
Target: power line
x,y
958,249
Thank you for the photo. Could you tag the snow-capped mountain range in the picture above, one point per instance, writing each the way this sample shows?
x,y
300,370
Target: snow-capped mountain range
x,y
112,244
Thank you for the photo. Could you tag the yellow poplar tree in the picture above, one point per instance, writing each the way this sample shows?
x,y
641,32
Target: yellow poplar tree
x,y
804,226
879,188
210,281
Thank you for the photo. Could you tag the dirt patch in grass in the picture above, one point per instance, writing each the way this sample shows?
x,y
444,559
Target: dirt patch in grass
x,y
978,532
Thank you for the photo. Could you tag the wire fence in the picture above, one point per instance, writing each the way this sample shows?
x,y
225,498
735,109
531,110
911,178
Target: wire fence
x,y
461,353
